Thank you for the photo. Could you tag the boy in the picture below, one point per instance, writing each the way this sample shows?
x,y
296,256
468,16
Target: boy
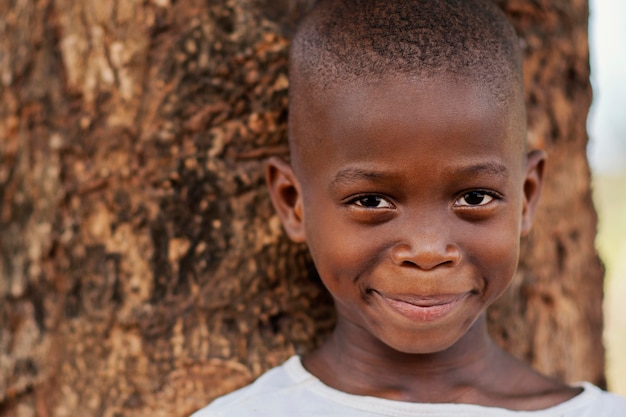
x,y
410,183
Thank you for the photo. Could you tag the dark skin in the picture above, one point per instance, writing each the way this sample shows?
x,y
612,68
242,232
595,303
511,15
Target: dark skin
x,y
412,196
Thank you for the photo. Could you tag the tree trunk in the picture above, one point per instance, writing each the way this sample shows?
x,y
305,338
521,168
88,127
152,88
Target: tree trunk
x,y
143,271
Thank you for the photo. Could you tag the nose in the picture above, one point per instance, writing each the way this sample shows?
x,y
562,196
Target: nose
x,y
426,250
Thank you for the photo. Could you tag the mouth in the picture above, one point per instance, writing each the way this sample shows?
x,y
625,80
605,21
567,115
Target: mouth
x,y
422,308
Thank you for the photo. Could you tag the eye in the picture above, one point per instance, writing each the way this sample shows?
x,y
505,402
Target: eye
x,y
474,198
372,201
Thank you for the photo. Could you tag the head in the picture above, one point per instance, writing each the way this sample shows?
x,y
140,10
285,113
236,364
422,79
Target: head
x,y
409,178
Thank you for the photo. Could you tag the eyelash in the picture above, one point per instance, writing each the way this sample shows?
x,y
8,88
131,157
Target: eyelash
x,y
493,195
355,200
488,193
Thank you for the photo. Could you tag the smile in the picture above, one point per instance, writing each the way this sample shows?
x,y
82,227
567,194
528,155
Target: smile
x,y
422,308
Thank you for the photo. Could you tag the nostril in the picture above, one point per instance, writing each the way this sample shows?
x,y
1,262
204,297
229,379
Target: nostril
x,y
431,264
425,257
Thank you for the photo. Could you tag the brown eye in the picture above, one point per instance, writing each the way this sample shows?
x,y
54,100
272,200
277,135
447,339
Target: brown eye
x,y
372,201
474,198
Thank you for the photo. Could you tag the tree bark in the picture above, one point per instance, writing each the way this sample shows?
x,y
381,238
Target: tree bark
x,y
143,271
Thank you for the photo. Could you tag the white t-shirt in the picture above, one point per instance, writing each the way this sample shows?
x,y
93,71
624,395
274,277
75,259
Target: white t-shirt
x,y
291,391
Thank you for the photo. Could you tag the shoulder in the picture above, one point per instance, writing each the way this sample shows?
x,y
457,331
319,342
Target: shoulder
x,y
613,405
594,402
261,398
290,390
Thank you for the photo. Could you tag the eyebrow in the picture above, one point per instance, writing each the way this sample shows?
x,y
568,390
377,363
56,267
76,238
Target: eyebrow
x,y
490,168
349,175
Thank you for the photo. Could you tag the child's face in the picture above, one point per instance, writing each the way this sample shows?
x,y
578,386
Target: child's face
x,y
412,197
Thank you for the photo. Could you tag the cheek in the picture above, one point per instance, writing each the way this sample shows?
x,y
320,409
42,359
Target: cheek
x,y
341,251
496,255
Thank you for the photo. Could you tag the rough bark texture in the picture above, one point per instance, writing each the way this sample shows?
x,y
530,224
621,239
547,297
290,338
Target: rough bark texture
x,y
143,271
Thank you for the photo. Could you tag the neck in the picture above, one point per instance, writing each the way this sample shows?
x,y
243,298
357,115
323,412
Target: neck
x,y
443,376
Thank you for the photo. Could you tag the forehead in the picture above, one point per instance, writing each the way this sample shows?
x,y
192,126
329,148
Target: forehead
x,y
367,119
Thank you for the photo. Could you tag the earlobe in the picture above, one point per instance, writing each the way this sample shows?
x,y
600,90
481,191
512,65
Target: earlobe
x,y
286,197
533,181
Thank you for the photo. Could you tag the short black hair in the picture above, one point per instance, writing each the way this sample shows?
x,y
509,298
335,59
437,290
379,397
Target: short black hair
x,y
349,40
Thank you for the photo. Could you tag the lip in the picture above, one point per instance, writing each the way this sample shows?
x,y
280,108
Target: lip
x,y
422,308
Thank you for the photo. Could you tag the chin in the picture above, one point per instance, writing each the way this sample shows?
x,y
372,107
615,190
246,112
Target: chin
x,y
428,340
420,344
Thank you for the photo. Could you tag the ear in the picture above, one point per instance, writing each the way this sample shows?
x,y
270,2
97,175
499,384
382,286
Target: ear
x,y
533,181
286,197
